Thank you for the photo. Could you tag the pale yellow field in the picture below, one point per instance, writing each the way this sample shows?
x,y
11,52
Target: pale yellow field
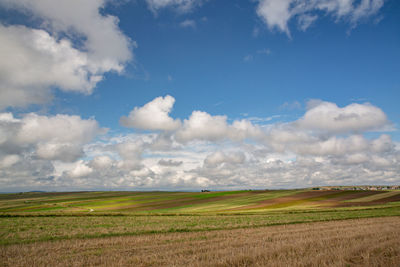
x,y
361,242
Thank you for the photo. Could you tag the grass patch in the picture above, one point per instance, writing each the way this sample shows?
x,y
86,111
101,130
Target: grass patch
x,y
15,230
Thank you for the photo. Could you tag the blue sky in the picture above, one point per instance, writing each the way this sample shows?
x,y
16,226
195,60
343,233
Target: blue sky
x,y
329,61
280,68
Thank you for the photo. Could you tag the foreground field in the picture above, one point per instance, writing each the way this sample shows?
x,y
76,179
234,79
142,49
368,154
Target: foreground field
x,y
235,228
361,242
27,218
27,229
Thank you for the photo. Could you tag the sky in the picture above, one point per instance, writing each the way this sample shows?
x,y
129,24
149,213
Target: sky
x,y
198,94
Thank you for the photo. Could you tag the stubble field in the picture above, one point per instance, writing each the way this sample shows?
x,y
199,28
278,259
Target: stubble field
x,y
235,228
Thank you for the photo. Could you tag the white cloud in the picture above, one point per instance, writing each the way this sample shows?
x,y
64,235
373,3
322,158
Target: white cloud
x,y
383,144
179,5
245,129
279,137
275,13
219,157
332,146
305,21
80,170
356,118
58,128
169,163
8,160
278,13
356,158
58,137
188,23
131,154
33,61
59,151
101,162
265,51
205,151
291,105
320,118
152,116
203,126
248,58
36,60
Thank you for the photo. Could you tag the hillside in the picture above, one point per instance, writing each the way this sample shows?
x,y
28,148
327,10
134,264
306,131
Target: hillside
x,y
194,202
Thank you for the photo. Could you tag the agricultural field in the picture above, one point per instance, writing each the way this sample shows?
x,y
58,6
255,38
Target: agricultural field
x,y
98,224
361,242
252,201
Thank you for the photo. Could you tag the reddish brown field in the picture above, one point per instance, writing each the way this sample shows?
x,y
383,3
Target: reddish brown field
x,y
325,198
361,242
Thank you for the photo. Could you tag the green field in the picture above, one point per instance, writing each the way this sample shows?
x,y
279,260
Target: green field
x,y
31,217
190,202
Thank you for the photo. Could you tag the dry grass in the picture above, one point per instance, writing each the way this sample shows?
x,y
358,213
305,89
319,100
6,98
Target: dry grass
x,y
361,242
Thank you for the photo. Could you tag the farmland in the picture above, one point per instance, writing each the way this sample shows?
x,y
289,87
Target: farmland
x,y
366,242
33,221
190,202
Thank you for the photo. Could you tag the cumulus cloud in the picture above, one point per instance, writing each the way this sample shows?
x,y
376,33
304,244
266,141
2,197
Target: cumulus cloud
x,y
328,117
278,13
204,151
152,116
33,61
131,155
59,151
219,157
332,146
33,147
80,170
169,163
101,162
57,137
383,144
8,161
324,118
38,59
275,14
203,126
